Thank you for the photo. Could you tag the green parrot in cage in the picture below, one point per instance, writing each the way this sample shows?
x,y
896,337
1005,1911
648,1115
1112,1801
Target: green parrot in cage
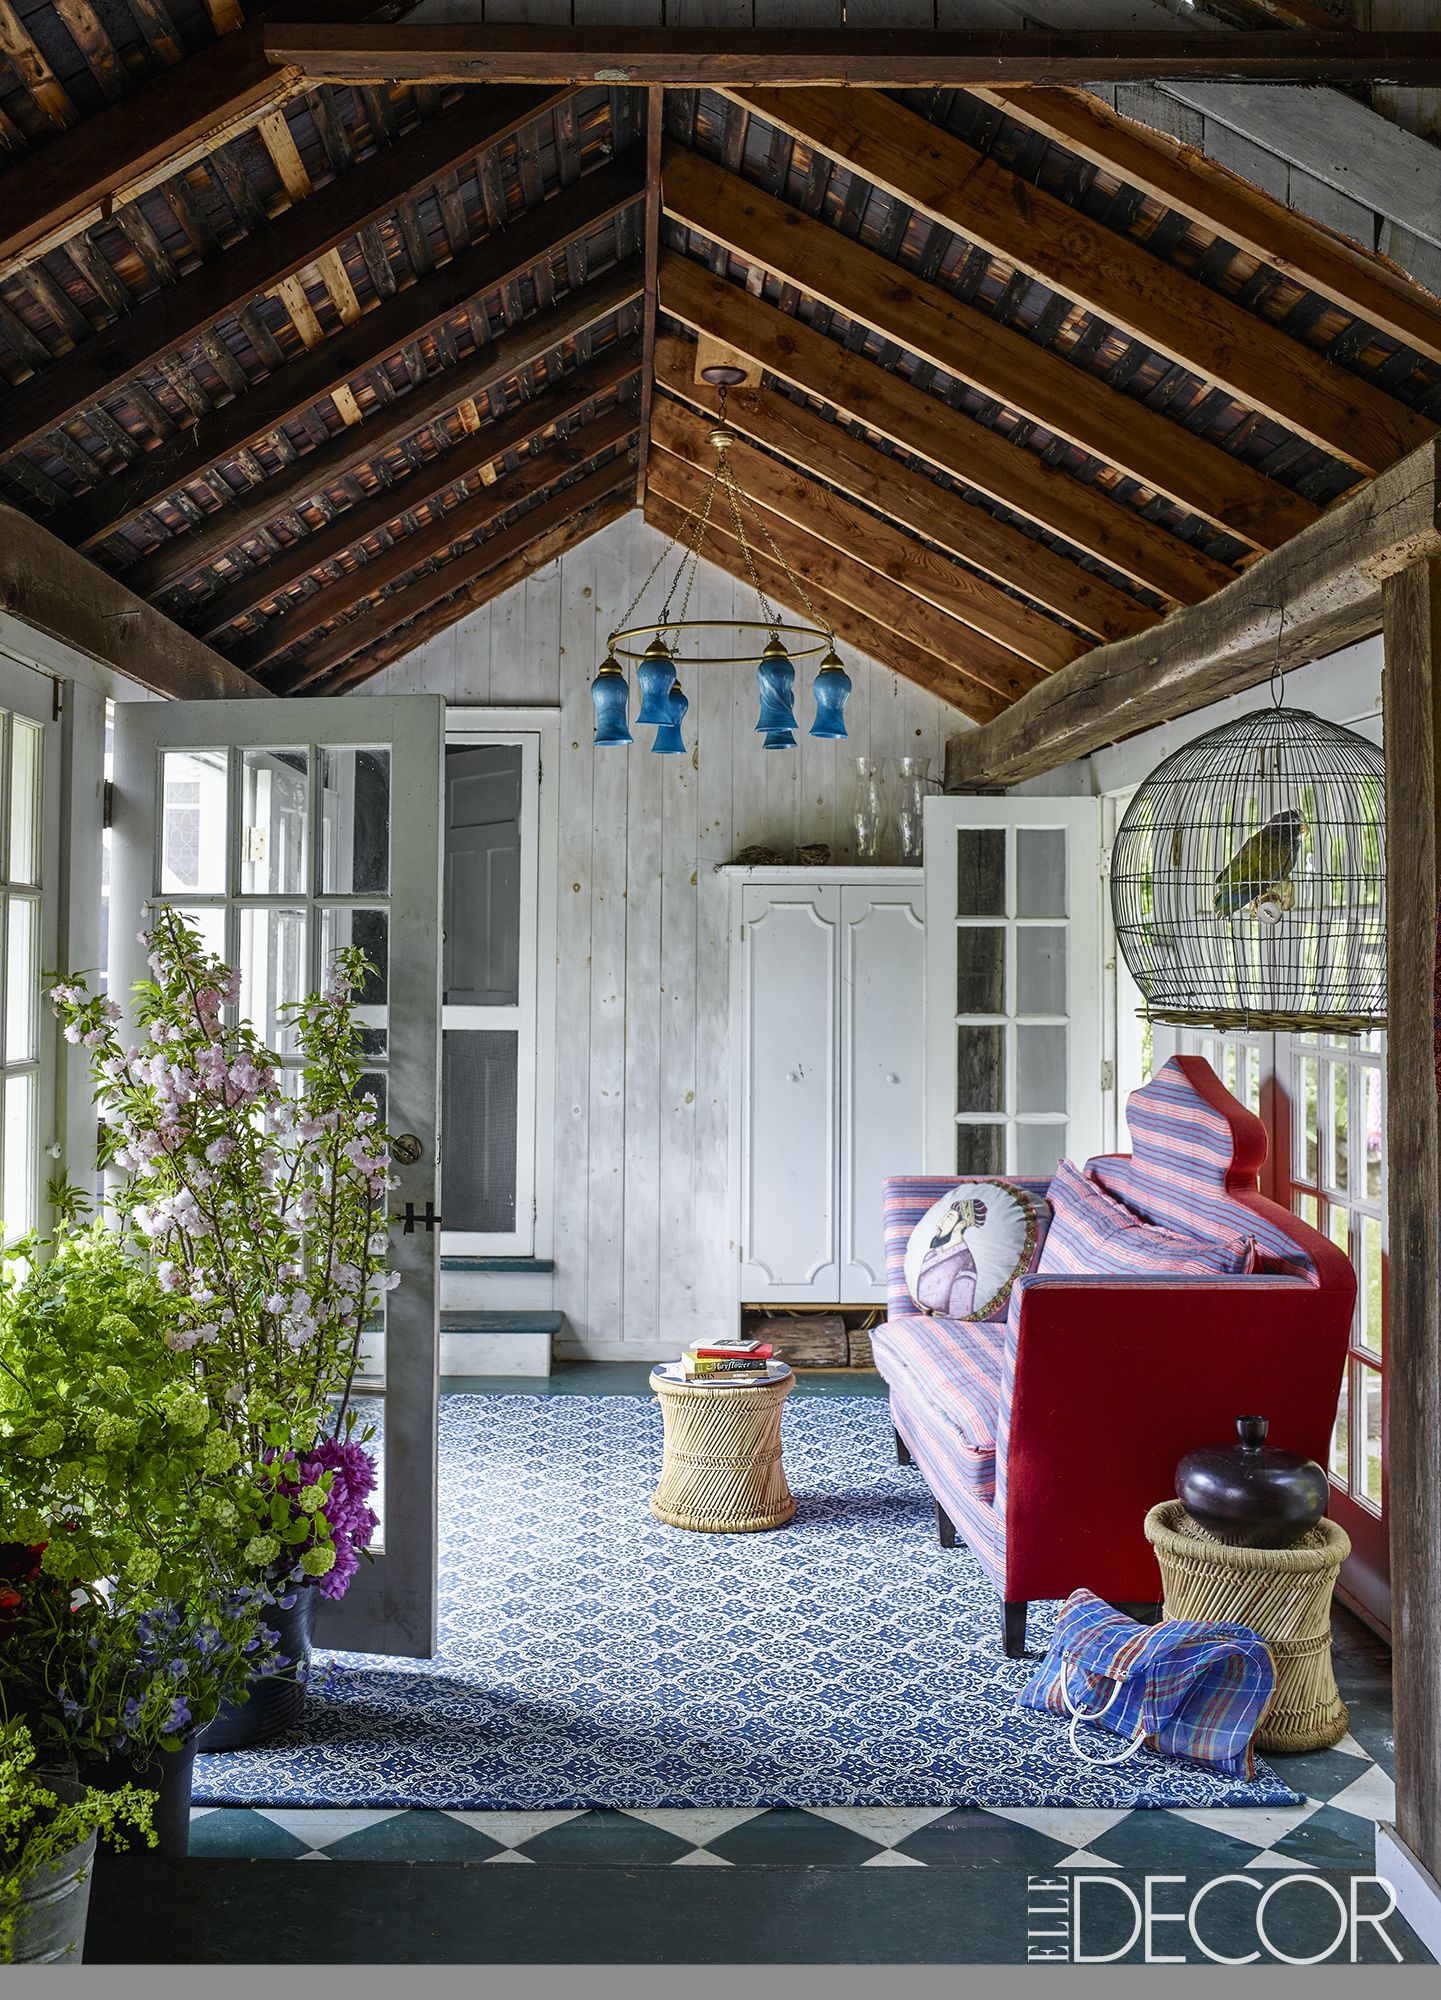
x,y
1257,878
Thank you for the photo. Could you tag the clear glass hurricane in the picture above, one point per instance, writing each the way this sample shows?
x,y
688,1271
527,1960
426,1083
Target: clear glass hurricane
x,y
913,779
870,811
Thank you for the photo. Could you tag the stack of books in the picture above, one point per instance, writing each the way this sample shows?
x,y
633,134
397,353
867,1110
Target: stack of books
x,y
730,1362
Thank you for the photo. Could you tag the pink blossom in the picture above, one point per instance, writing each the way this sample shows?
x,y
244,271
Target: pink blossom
x,y
180,1339
219,1151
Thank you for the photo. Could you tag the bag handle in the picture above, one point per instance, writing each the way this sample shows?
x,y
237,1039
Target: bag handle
x,y
1079,1715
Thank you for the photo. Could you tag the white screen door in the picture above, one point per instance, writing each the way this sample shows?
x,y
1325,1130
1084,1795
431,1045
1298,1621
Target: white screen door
x,y
1014,1076
286,829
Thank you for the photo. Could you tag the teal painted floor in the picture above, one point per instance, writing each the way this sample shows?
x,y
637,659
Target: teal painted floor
x,y
833,1885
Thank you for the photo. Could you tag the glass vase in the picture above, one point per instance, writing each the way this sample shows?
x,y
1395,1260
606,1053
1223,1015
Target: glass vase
x,y
912,784
870,813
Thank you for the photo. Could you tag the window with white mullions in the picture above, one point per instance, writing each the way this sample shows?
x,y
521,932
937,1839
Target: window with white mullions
x,y
24,1029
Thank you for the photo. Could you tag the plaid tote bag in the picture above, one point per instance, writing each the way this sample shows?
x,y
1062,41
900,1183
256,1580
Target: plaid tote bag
x,y
1185,1689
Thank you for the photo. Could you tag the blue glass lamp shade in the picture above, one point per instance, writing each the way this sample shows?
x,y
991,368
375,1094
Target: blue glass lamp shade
x,y
668,741
779,739
655,677
832,691
611,696
776,679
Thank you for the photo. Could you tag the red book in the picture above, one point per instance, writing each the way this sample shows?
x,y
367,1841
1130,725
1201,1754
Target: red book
x,y
756,1354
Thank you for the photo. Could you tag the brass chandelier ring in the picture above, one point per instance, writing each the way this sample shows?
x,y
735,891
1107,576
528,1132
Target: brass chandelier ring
x,y
802,642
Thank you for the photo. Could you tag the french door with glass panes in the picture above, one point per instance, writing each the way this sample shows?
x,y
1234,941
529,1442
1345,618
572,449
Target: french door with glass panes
x,y
1322,1099
284,830
29,848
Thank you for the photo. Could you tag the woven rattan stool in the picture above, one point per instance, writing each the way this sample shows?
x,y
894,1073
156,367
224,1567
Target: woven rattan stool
x,y
722,1471
1284,1595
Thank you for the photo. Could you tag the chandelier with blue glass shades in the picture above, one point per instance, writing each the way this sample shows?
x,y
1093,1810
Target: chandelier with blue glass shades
x,y
655,648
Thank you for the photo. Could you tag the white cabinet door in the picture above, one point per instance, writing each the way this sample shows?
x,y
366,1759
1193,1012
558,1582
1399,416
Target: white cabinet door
x,y
882,1076
1013,973
788,946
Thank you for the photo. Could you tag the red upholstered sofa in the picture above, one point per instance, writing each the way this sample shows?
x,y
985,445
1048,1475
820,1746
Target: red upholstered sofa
x,y
1045,1439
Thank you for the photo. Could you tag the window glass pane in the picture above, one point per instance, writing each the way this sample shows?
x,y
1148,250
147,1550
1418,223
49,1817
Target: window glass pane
x,y
478,1121
1040,871
1041,1068
1371,1391
482,875
981,970
273,822
355,822
1251,1094
1339,1137
19,1160
193,824
1375,1135
1338,1225
1372,1285
980,1149
1304,1114
1039,1147
1041,971
22,979
209,920
370,930
369,1408
980,1068
1341,1436
1307,1208
273,972
980,871
25,751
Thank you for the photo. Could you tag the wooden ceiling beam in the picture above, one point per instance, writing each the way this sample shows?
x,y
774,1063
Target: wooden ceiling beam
x,y
1184,179
910,499
533,239
852,628
823,567
513,432
374,624
704,58
412,551
306,232
1108,274
161,128
518,348
1323,592
935,579
440,617
923,425
54,588
967,343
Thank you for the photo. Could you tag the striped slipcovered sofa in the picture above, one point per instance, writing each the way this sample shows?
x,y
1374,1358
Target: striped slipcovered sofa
x,y
1044,1439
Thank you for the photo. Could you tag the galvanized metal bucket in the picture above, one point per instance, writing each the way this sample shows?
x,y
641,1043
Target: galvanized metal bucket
x,y
54,1903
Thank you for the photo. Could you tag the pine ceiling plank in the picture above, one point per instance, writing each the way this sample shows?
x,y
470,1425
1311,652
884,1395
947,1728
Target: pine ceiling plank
x,y
89,36
1109,274
851,627
923,425
911,499
546,548
261,262
1185,180
840,574
382,332
514,350
33,71
996,360
279,142
474,456
935,578
375,624
164,126
410,551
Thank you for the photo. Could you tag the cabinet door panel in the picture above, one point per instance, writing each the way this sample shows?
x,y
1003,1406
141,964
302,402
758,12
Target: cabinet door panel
x,y
788,1141
882,1084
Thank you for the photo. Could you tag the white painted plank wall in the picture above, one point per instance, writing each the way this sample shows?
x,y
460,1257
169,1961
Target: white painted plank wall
x,y
642,1241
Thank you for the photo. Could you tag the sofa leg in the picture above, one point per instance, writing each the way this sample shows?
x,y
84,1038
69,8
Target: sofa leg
x,y
945,1527
903,1450
1013,1623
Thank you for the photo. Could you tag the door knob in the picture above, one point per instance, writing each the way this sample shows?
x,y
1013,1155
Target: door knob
x,y
892,1079
406,1149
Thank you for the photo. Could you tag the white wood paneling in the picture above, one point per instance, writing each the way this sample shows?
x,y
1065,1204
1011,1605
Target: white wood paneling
x,y
882,1090
642,1238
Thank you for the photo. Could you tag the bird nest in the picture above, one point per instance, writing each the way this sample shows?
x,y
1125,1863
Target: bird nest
x,y
1248,879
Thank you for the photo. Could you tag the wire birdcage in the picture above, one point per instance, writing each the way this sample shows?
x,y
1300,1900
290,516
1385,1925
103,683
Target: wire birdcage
x,y
1248,879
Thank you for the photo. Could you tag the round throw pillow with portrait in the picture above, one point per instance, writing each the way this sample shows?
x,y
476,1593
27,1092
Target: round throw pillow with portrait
x,y
969,1248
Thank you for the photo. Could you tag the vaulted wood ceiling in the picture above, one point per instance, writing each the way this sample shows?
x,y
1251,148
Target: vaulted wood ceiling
x,y
316,368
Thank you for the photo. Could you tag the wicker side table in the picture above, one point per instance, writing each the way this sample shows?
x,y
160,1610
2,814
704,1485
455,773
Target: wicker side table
x,y
1284,1595
722,1470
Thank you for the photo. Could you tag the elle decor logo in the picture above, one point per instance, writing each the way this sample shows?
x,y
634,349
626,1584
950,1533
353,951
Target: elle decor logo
x,y
1087,1918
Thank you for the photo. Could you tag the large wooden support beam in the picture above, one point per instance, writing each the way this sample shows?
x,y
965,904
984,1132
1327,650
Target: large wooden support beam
x,y
1411,705
1238,212
851,627
705,58
533,238
304,233
163,127
930,429
911,499
967,343
1120,281
61,592
1322,593
518,348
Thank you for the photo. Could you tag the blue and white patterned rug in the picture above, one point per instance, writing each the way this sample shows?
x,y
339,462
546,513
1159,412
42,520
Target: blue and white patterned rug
x,y
591,1656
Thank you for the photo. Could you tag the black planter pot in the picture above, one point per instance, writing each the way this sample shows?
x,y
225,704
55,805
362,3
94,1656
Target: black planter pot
x,y
168,1773
275,1701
